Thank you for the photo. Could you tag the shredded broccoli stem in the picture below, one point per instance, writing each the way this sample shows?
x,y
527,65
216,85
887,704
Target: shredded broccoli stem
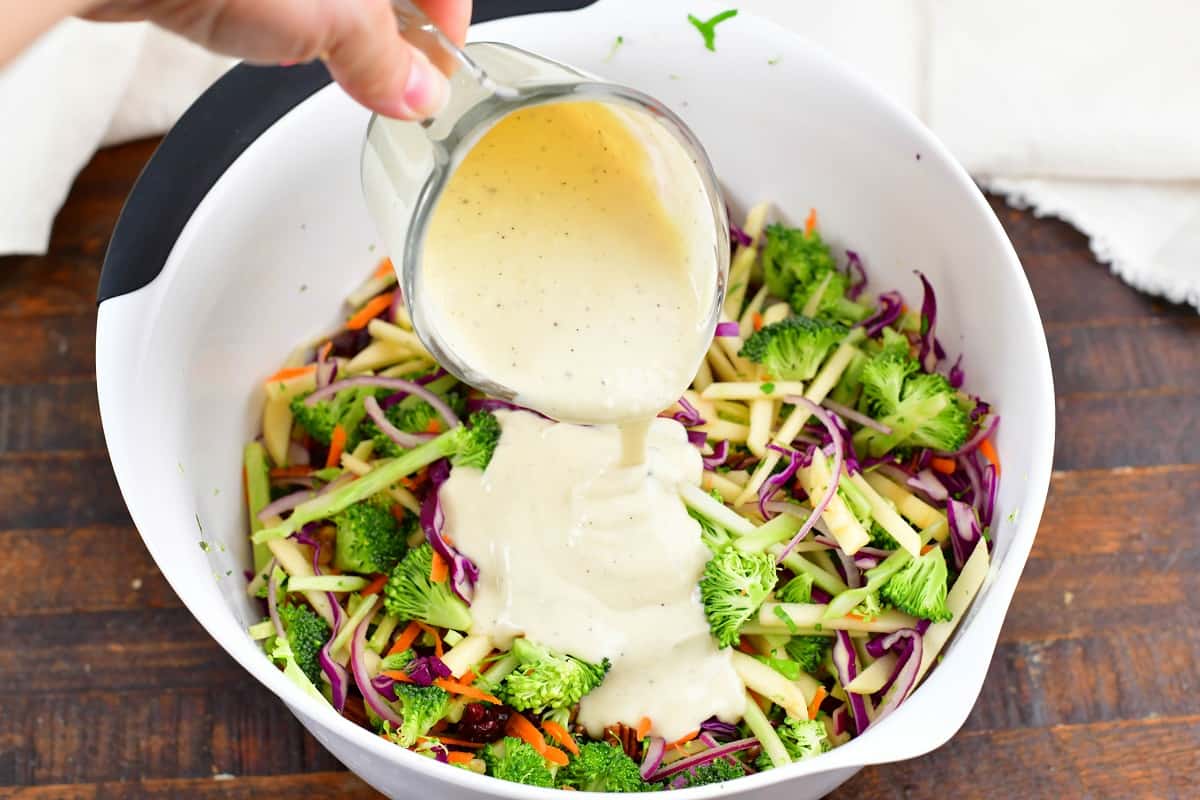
x,y
258,496
762,729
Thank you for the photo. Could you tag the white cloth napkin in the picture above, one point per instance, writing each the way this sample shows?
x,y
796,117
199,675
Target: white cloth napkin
x,y
1088,110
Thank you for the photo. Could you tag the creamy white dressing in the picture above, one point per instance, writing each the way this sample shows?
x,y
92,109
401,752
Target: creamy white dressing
x,y
599,561
572,259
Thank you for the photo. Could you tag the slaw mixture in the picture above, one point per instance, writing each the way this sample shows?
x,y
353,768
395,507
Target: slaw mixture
x,y
848,490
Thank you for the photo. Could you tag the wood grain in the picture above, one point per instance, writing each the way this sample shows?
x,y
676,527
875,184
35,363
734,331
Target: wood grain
x,y
111,690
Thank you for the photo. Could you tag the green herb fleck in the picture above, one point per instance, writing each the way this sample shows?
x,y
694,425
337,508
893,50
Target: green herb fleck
x,y
216,492
198,525
673,76
787,620
708,28
1012,516
204,546
775,60
180,465
616,45
767,387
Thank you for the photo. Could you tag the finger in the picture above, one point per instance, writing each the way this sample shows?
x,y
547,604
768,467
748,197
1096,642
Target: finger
x,y
380,70
451,16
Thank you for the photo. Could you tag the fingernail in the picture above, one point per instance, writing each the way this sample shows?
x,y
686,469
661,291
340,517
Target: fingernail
x,y
427,89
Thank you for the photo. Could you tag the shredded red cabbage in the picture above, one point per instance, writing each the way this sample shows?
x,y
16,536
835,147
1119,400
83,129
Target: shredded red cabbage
x,y
719,454
697,438
780,480
728,329
425,669
339,680
964,531
835,472
738,235
845,661
987,501
819,595
957,376
689,417
718,728
929,352
890,304
854,264
908,646
463,572
385,686
841,720
496,404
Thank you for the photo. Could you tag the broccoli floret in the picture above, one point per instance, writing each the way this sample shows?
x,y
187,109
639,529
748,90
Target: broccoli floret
x,y
797,264
319,419
797,590
410,594
792,349
733,586
809,651
802,739
717,771
833,303
919,408
919,587
476,443
894,343
517,761
397,661
421,707
307,633
601,767
544,679
369,539
792,257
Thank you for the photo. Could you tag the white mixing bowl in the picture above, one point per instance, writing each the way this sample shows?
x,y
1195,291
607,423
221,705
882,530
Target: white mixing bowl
x,y
248,228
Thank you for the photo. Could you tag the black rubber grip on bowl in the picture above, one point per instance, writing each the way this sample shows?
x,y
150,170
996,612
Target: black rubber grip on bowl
x,y
208,138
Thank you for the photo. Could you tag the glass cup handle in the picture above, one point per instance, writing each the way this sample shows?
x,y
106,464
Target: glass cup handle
x,y
418,30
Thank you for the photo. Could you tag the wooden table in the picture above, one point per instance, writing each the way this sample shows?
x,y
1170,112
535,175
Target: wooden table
x,y
109,688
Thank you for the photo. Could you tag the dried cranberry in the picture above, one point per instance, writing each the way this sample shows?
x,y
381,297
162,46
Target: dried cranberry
x,y
483,723
347,344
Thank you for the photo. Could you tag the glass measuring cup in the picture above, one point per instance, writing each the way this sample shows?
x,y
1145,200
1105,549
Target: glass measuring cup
x,y
406,165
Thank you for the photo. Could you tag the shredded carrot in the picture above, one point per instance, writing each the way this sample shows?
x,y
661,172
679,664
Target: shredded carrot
x,y
434,426
682,740
757,319
437,638
946,466
398,675
927,548
746,647
763,702
385,266
373,308
325,350
989,452
468,677
405,639
810,224
337,443
408,483
290,472
399,512
858,617
459,757
460,688
523,729
291,372
815,705
560,735
643,727
246,484
555,756
460,742
375,585
438,569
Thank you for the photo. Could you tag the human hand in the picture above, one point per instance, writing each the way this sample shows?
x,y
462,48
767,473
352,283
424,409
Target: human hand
x,y
357,39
